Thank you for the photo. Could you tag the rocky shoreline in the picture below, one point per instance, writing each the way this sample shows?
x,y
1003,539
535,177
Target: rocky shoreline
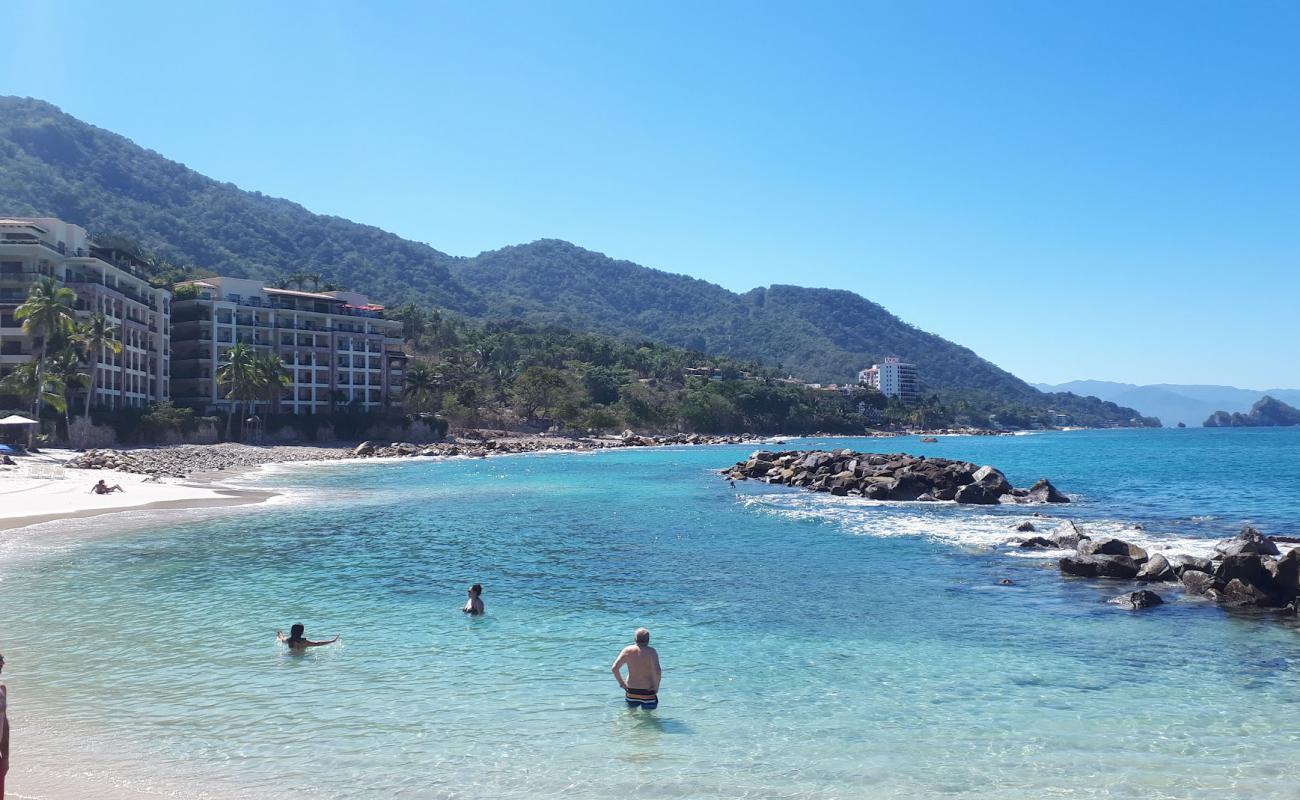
x,y
890,476
1248,571
187,461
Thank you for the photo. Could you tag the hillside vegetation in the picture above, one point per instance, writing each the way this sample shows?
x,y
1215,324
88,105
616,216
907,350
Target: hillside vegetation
x,y
53,164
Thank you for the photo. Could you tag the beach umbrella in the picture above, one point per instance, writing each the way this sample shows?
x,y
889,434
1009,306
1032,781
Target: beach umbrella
x,y
17,419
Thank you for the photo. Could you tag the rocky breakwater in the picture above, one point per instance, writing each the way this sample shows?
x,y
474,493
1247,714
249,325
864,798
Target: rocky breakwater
x,y
896,476
630,439
186,460
1246,571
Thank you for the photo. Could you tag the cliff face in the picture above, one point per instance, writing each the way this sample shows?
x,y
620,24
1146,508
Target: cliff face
x,y
1266,413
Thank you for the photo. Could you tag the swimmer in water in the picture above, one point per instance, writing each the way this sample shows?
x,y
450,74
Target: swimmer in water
x,y
297,642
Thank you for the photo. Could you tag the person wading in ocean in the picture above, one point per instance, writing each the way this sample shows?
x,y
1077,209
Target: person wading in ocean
x,y
641,689
475,603
297,641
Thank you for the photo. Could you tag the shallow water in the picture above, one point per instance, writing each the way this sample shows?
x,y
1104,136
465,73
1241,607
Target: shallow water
x,y
813,646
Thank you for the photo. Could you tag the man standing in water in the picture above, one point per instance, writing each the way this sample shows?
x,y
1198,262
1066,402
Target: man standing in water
x,y
641,688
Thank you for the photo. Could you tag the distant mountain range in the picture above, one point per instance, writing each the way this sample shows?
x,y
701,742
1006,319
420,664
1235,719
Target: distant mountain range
x,y
52,164
1174,403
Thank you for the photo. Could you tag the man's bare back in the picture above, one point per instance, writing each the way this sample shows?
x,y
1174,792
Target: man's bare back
x,y
643,672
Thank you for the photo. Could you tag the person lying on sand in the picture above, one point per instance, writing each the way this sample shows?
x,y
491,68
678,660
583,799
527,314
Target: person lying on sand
x,y
641,689
104,488
475,603
296,641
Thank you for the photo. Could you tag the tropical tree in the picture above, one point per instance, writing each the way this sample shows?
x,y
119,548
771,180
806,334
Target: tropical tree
x,y
96,335
273,375
537,389
240,371
64,373
420,387
22,383
314,277
30,384
47,313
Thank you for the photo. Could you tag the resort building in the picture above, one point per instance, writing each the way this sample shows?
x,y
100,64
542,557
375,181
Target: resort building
x,y
893,378
340,349
103,279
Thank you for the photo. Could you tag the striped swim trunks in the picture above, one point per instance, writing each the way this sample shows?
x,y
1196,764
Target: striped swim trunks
x,y
641,698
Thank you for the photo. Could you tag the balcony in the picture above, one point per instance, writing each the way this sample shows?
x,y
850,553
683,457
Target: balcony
x,y
8,240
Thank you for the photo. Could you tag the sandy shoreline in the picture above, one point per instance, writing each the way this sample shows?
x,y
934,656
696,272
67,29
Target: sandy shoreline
x,y
43,489
31,500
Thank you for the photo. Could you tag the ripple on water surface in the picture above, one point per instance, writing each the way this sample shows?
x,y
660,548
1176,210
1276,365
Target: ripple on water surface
x,y
812,647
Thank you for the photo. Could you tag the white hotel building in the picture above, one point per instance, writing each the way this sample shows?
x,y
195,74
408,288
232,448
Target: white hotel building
x,y
340,349
104,280
893,378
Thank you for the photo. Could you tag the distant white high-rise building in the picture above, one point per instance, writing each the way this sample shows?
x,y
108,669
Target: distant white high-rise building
x,y
893,378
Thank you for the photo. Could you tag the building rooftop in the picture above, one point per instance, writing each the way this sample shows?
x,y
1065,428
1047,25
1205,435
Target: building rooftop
x,y
310,295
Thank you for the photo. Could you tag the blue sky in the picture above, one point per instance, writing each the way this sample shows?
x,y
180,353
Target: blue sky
x,y
1101,190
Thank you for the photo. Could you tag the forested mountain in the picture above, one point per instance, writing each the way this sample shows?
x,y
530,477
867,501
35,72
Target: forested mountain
x,y
53,164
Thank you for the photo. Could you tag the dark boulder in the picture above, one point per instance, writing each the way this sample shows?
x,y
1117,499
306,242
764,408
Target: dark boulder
x,y
1044,492
1156,569
1138,600
876,490
1286,576
1038,541
1112,547
1197,582
1247,568
1099,566
976,494
1248,541
909,486
1026,527
992,480
1238,592
1182,563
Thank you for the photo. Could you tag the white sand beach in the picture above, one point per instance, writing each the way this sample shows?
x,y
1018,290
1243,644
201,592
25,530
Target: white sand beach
x,y
42,490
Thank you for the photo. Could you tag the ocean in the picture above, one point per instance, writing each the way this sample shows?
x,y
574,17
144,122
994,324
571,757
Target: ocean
x,y
813,646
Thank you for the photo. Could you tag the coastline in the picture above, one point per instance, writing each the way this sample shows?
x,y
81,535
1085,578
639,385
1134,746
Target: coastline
x,y
52,492
50,778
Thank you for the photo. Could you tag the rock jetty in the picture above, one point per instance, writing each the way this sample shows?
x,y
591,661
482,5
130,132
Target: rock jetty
x,y
895,476
1246,571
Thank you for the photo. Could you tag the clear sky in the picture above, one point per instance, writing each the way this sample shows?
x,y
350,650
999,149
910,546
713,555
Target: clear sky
x,y
1093,190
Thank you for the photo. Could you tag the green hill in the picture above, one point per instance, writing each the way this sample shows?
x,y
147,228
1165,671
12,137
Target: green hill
x,y
54,164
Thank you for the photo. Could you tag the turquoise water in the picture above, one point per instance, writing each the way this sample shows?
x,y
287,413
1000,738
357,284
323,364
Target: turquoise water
x,y
813,646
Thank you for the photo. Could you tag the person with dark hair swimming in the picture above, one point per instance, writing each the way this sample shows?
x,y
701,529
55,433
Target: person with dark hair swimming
x,y
475,603
297,641
641,689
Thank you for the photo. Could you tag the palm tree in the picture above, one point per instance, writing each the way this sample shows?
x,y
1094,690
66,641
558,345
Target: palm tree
x,y
299,278
64,373
314,277
420,386
240,371
46,313
96,335
274,376
29,383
